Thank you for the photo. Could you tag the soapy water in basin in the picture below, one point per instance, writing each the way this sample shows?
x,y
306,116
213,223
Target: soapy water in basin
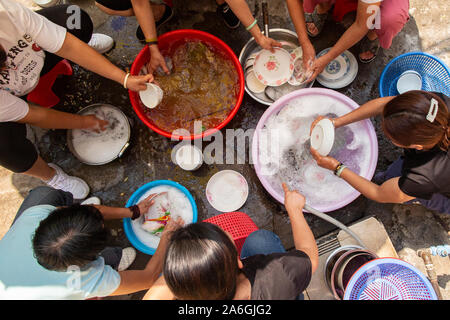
x,y
99,147
285,156
180,206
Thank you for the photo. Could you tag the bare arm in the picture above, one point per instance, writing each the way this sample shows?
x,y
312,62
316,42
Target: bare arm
x,y
53,119
79,52
159,291
303,236
242,11
350,37
368,110
388,192
138,280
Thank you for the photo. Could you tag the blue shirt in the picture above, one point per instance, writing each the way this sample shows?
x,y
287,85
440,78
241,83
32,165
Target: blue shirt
x,y
22,277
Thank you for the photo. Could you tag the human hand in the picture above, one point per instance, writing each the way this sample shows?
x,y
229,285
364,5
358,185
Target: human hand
x,y
156,60
145,204
321,118
95,124
267,43
139,83
309,56
293,200
328,162
318,66
172,225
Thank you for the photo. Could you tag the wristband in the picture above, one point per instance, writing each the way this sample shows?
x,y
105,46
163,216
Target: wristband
x,y
136,212
340,169
125,80
151,41
252,25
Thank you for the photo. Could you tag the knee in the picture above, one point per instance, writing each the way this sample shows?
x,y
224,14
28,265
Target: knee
x,y
261,235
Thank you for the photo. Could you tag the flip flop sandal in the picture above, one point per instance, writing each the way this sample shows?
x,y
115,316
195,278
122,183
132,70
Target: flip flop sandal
x,y
318,19
369,45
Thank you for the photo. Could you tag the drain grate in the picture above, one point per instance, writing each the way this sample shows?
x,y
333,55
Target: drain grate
x,y
327,244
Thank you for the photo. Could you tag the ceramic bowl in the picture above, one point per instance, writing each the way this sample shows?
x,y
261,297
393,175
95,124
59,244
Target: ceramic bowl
x,y
152,96
189,157
409,80
340,72
322,137
253,84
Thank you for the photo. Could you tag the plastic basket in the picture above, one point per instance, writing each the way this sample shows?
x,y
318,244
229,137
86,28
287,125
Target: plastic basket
x,y
434,72
238,224
389,279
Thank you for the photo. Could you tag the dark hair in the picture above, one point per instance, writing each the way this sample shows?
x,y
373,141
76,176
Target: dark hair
x,y
2,58
69,236
201,263
405,120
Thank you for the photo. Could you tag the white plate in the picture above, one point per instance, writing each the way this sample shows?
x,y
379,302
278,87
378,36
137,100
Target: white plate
x,y
322,137
253,84
227,191
152,96
340,72
273,69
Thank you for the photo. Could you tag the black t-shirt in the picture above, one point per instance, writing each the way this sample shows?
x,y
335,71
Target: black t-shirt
x,y
278,276
425,173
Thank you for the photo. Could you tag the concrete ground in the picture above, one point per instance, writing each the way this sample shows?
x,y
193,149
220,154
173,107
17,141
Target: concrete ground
x,y
409,227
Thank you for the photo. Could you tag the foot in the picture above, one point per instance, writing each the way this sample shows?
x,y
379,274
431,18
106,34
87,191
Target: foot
x,y
167,15
315,22
101,42
62,181
228,16
128,257
369,49
91,201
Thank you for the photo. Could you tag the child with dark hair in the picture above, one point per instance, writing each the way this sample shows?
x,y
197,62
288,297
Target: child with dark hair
x,y
419,122
202,262
58,250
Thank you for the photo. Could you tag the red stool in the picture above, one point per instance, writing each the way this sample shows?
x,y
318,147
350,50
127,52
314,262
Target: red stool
x,y
43,94
169,3
238,224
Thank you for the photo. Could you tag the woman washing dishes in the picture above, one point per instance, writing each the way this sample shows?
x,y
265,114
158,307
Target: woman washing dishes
x,y
31,44
202,262
151,15
418,122
374,22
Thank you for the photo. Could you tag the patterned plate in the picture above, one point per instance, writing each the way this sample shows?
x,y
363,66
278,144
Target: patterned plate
x,y
273,69
340,72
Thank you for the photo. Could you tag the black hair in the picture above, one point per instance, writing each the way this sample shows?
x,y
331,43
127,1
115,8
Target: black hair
x,y
73,235
201,263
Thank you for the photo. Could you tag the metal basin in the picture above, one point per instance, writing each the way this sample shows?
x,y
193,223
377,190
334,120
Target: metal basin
x,y
289,41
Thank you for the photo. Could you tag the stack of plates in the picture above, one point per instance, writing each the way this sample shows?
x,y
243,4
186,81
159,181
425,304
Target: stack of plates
x,y
340,72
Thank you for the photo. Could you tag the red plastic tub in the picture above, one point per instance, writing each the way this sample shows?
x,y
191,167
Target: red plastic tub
x,y
164,41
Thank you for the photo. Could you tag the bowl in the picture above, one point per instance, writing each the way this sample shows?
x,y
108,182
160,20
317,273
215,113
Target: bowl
x,y
332,258
253,84
164,42
189,157
409,80
289,42
227,191
152,96
277,106
322,137
340,72
134,240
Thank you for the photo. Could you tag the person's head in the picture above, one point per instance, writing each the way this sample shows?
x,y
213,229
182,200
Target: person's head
x,y
69,236
201,263
417,119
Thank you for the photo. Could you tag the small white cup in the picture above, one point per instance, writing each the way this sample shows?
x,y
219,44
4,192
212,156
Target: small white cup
x,y
152,96
409,80
189,157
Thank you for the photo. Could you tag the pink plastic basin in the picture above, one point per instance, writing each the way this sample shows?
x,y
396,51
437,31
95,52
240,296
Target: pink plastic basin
x,y
280,104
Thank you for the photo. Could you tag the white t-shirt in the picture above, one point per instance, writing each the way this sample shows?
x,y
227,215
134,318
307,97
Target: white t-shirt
x,y
24,35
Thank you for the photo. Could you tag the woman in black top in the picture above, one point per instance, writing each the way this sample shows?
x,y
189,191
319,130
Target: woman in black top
x,y
202,262
417,121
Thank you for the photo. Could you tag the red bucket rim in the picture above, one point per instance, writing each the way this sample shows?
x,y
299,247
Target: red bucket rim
x,y
134,95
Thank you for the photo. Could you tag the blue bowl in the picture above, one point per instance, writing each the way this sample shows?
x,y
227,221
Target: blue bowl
x,y
134,199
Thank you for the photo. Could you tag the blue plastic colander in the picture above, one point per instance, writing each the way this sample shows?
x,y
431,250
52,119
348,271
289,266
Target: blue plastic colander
x,y
434,72
389,279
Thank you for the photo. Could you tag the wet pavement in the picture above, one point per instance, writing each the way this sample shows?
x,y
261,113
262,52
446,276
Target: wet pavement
x,y
149,156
